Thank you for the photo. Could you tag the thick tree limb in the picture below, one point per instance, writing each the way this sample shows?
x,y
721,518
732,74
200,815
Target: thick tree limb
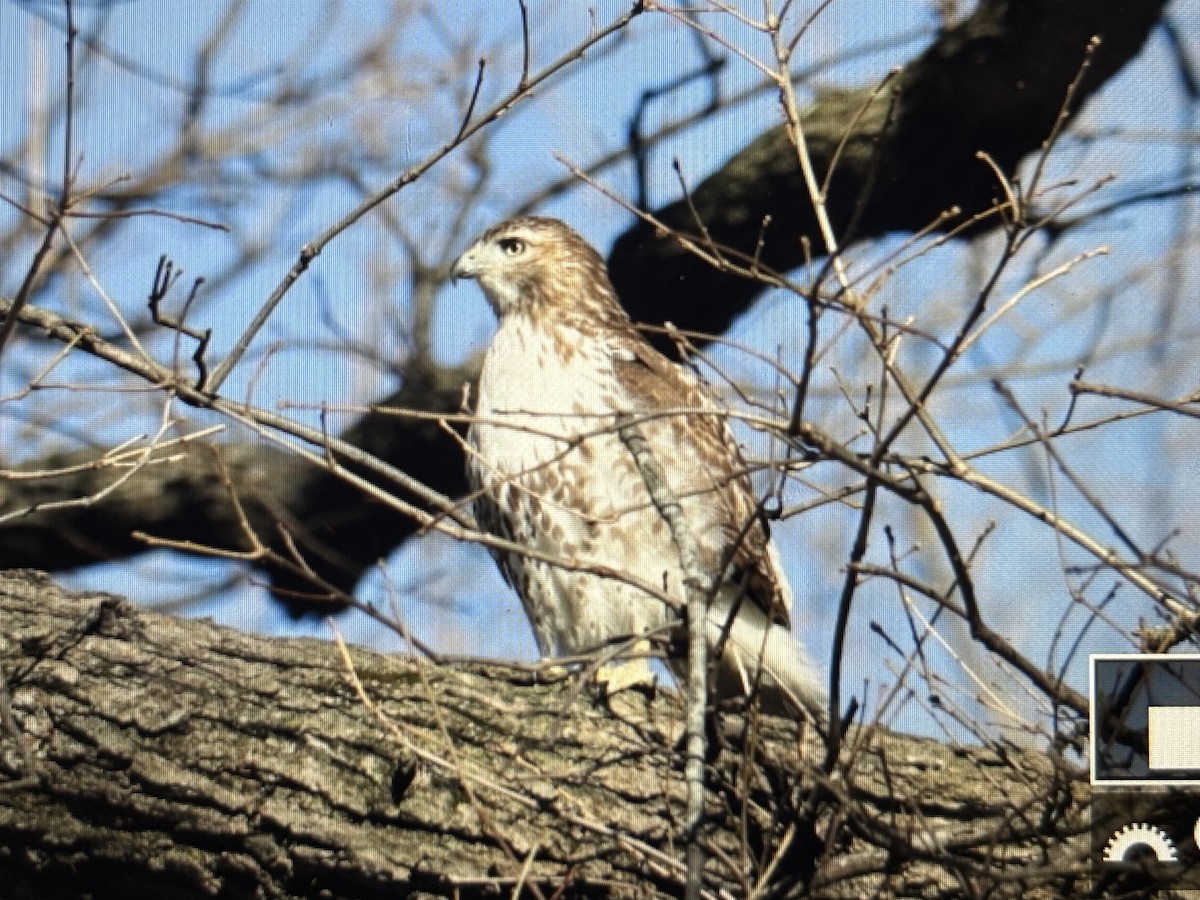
x,y
994,83
339,531
147,756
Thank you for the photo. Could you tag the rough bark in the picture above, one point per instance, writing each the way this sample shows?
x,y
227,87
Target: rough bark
x,y
994,83
143,755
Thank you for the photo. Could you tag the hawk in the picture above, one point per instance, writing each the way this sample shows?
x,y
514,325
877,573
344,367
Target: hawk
x,y
551,474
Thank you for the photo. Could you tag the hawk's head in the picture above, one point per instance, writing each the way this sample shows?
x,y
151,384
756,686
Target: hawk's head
x,y
539,266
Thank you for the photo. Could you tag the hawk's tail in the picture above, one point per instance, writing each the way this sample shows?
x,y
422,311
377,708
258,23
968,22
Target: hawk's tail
x,y
765,659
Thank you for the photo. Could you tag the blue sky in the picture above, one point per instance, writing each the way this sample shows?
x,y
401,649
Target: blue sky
x,y
131,101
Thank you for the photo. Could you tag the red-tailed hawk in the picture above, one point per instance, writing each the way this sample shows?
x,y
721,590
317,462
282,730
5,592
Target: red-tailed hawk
x,y
552,475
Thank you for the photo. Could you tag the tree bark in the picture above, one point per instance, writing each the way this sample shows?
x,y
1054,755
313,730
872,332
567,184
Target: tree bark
x,y
147,756
994,83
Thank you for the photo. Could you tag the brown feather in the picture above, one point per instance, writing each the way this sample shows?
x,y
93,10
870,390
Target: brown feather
x,y
550,473
660,384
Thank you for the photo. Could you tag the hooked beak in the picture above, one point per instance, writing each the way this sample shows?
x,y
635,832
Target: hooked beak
x,y
464,266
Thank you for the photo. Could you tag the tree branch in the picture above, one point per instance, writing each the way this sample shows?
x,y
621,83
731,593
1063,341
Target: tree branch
x,y
179,758
993,83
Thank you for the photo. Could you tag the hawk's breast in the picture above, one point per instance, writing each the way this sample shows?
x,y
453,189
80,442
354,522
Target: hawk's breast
x,y
539,392
553,476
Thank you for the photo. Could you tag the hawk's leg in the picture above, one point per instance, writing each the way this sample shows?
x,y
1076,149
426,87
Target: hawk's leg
x,y
621,674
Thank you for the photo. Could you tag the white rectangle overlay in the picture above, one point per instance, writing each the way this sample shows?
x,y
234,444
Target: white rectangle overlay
x,y
1153,778
1174,737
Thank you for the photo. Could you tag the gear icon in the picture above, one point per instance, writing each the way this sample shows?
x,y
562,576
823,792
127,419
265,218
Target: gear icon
x,y
1140,834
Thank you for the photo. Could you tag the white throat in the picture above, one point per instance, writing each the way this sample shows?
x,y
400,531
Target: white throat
x,y
541,387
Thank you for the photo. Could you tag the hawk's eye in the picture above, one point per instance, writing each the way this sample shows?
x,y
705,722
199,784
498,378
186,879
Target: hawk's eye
x,y
512,246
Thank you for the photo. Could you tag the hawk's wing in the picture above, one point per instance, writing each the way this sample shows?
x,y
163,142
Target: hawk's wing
x,y
488,516
652,382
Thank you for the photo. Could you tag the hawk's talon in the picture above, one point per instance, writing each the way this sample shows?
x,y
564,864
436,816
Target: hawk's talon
x,y
624,675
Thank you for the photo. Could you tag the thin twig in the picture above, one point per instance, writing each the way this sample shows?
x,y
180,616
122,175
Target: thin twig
x,y
54,220
466,119
698,592
524,44
313,249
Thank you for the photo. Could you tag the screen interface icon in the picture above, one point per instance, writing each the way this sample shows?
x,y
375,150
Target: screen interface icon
x,y
1145,765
